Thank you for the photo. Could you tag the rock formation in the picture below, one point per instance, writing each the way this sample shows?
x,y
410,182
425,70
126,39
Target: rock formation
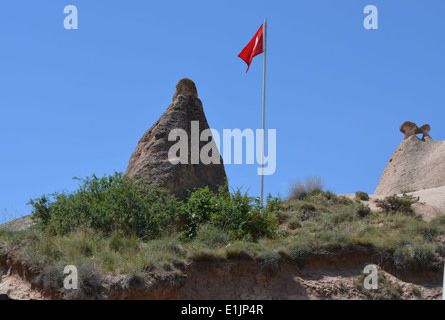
x,y
410,129
424,129
416,164
151,160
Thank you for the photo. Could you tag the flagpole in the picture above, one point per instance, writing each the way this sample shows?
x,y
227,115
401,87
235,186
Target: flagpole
x,y
264,108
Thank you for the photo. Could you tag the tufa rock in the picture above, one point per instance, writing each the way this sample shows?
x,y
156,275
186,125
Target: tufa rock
x,y
416,164
150,158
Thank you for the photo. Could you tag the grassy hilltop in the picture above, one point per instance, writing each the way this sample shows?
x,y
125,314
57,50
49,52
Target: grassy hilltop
x,y
116,225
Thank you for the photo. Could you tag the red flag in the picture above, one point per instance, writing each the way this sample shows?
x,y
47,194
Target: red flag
x,y
253,48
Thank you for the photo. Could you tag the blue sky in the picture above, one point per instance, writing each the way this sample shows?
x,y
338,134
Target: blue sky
x,y
76,102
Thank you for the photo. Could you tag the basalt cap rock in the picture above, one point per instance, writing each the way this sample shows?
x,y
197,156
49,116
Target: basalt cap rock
x,y
185,87
410,129
150,159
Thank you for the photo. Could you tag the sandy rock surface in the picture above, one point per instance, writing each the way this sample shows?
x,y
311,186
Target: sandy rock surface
x,y
416,164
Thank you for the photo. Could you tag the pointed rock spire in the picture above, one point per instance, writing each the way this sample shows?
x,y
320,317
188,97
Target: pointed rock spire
x,y
151,160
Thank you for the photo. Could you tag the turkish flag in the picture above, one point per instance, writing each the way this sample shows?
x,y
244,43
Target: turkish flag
x,y
253,48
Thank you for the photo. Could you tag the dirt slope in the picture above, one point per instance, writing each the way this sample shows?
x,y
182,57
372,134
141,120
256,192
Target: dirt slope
x,y
325,276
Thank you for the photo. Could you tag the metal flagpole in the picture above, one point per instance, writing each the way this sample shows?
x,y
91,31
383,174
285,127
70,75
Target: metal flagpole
x,y
264,108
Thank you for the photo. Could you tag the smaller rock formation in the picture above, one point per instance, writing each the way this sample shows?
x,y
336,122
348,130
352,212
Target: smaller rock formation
x,y
410,129
416,164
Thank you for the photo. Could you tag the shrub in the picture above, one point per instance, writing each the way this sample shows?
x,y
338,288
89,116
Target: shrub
x,y
275,205
270,260
306,210
342,200
299,255
109,203
135,280
414,256
201,206
394,290
233,213
360,195
132,207
416,291
362,210
294,223
51,278
393,204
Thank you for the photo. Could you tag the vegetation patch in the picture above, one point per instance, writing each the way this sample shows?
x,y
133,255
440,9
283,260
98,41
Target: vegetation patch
x,y
115,225
270,260
394,204
361,195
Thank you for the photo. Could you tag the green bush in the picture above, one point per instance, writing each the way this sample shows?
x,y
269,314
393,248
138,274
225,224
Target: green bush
x,y
362,210
275,205
394,290
414,256
294,223
132,207
360,195
233,213
270,260
109,203
342,200
393,204
306,210
299,255
416,291
50,278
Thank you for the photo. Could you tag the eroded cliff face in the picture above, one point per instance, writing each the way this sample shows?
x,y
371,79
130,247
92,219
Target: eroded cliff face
x,y
328,276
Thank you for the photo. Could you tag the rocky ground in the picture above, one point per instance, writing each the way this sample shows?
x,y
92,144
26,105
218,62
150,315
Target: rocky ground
x,y
430,204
